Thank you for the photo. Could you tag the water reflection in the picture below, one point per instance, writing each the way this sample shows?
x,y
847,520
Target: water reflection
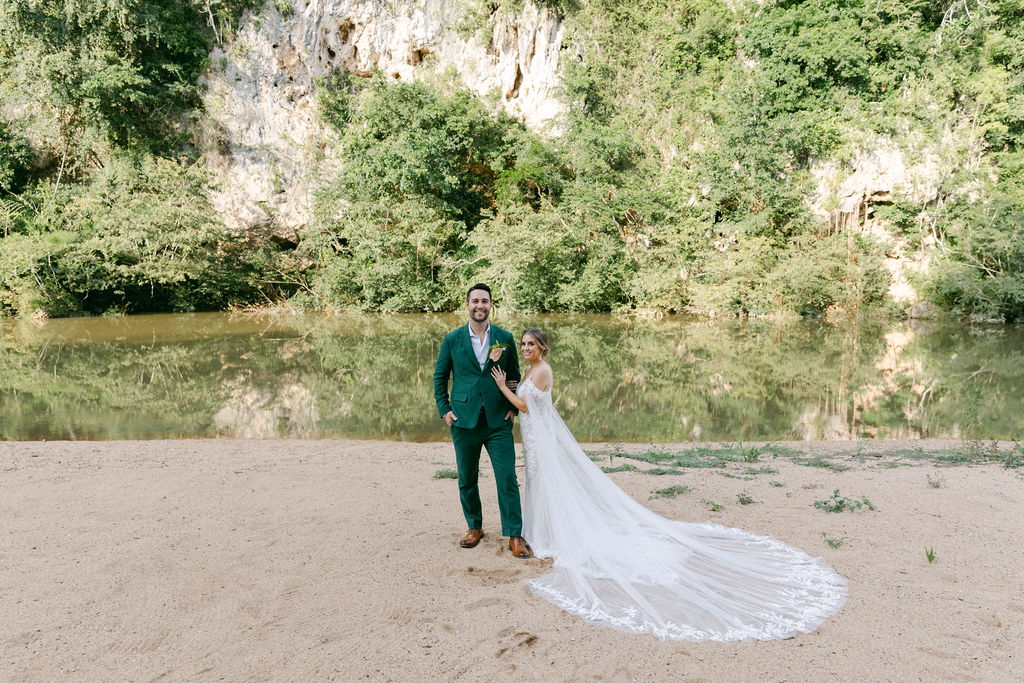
x,y
370,377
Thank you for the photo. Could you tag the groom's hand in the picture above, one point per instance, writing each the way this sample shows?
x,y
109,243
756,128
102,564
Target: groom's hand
x,y
449,417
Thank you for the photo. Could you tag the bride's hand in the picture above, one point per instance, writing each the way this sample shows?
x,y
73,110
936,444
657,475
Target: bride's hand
x,y
499,376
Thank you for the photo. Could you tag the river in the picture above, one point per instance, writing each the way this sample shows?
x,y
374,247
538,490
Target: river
x,y
616,379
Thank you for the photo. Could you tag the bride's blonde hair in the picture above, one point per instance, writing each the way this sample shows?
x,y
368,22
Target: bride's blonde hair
x,y
540,337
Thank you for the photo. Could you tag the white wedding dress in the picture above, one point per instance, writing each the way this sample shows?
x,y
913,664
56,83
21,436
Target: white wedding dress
x,y
620,565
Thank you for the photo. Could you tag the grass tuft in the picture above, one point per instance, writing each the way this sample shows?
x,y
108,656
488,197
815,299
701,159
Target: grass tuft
x,y
624,467
831,541
821,462
838,503
659,471
446,474
671,491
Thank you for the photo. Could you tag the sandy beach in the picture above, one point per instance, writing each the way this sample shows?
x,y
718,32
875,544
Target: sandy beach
x,y
338,560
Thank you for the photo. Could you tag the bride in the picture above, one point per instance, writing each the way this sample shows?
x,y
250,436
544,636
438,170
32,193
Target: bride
x,y
620,565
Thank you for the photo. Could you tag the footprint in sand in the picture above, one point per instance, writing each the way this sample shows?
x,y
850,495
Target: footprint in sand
x,y
493,577
516,641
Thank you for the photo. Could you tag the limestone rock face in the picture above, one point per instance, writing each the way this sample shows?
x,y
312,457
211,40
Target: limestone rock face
x,y
885,171
263,135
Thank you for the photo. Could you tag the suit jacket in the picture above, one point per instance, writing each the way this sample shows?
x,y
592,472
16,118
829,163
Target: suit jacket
x,y
471,386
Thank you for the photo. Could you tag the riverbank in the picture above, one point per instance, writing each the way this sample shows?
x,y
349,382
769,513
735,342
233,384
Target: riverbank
x,y
338,560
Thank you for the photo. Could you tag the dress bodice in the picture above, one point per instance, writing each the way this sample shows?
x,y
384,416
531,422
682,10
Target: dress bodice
x,y
527,388
539,408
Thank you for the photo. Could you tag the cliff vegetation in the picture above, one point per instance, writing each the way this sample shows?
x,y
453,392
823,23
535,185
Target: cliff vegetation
x,y
690,170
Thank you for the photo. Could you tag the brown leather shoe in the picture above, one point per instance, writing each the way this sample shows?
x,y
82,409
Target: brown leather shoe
x,y
471,538
517,544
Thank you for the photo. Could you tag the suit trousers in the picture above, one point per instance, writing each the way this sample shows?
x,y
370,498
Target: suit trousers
x,y
501,450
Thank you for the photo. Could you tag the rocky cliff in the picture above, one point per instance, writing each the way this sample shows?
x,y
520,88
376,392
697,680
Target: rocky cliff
x,y
265,141
883,170
263,136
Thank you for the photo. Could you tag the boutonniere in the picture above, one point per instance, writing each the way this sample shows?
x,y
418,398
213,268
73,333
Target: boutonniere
x,y
495,352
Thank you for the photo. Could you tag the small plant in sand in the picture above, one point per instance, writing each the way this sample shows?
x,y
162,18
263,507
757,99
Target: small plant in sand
x,y
831,541
661,471
671,491
745,498
624,467
446,474
838,503
776,484
749,454
929,554
712,505
822,463
935,482
1015,458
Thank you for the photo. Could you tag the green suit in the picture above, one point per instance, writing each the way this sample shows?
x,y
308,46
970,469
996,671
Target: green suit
x,y
480,409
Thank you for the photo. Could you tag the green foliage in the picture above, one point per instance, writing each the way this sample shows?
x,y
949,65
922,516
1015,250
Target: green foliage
x,y
671,491
982,271
679,180
1012,459
15,160
137,238
839,503
823,463
832,541
410,140
624,467
111,210
285,7
712,505
438,192
98,71
420,174
446,474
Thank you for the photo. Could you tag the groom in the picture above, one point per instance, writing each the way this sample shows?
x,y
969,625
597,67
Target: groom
x,y
479,415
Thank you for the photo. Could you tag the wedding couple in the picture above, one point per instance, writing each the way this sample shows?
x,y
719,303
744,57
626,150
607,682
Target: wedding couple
x,y
616,563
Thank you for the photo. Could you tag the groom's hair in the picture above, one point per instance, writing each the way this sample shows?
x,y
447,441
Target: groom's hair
x,y
477,286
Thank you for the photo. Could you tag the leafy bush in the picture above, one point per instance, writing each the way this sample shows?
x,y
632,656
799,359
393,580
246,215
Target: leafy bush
x,y
15,160
982,270
679,180
138,238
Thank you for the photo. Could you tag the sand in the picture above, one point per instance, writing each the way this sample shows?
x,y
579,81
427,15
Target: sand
x,y
339,560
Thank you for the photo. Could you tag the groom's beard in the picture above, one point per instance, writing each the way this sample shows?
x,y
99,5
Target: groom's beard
x,y
479,316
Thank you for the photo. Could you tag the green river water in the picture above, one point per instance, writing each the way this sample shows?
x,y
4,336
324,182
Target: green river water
x,y
616,379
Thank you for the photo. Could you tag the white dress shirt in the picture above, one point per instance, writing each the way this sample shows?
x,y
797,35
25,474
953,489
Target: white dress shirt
x,y
480,344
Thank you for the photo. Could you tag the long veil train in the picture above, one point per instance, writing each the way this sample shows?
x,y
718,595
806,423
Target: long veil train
x,y
620,565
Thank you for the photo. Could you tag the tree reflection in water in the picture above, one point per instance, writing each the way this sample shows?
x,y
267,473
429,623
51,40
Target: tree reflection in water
x,y
617,379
